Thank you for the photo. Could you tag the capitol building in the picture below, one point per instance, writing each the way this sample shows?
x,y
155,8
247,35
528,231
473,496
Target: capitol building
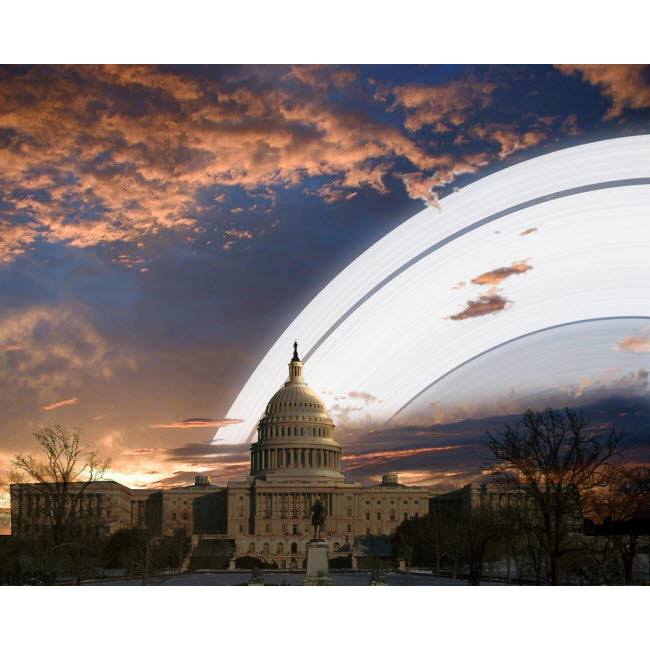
x,y
267,516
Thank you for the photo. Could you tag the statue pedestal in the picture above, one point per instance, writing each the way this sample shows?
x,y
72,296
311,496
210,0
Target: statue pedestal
x,y
318,570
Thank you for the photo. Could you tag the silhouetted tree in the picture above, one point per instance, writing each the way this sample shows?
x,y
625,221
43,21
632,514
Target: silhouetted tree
x,y
549,457
58,483
61,477
478,530
623,497
406,539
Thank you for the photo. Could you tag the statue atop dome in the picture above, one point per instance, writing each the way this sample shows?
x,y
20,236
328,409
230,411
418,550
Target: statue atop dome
x,y
295,366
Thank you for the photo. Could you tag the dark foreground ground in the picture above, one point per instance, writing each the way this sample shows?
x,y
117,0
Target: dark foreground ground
x,y
360,579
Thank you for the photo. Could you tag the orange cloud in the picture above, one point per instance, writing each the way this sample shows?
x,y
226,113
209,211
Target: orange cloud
x,y
65,402
322,77
497,276
239,234
143,451
77,140
527,232
354,461
420,186
487,304
508,136
625,85
193,423
634,343
444,105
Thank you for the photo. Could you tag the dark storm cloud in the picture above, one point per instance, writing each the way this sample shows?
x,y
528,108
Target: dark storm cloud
x,y
197,451
452,454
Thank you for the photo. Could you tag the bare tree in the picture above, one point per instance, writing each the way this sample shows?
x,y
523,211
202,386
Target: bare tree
x,y
624,495
551,458
479,529
61,478
53,492
405,540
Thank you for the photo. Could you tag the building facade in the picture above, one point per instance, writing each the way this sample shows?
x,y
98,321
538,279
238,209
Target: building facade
x,y
295,462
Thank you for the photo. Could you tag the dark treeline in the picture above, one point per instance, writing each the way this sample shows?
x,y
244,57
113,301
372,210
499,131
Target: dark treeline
x,y
564,508
71,541
133,552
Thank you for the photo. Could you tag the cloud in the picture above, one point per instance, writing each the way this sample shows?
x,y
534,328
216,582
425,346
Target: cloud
x,y
509,137
527,232
495,277
60,348
625,85
145,451
354,461
239,234
323,77
612,379
65,402
98,155
486,304
634,343
193,423
366,397
332,192
444,106
420,186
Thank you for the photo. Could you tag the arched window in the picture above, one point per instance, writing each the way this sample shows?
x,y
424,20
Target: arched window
x,y
392,515
251,548
280,548
294,548
265,548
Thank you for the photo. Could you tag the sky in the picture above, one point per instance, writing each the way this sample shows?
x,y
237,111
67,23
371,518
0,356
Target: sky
x,y
160,226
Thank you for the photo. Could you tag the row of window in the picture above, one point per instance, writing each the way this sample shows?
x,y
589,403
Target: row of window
x,y
296,418
267,432
391,516
88,531
85,503
287,458
283,406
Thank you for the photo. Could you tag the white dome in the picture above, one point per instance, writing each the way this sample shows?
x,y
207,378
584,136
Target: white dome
x,y
295,436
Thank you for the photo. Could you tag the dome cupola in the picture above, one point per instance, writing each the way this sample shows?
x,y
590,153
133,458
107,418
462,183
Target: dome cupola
x,y
295,436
